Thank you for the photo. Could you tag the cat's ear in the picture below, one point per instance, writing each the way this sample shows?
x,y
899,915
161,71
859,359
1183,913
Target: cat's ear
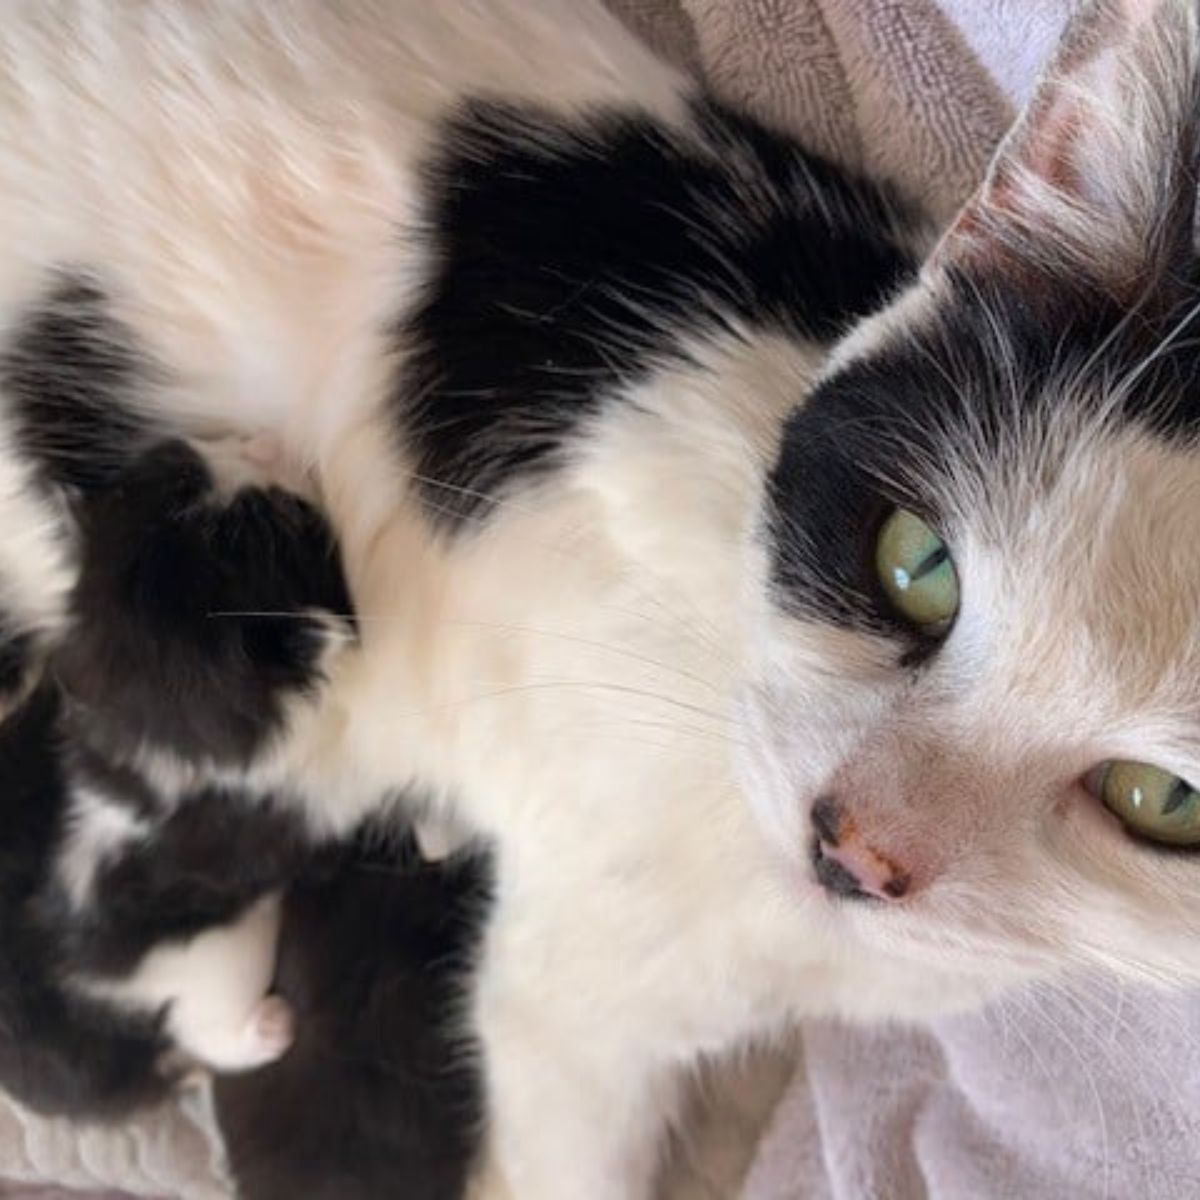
x,y
1098,177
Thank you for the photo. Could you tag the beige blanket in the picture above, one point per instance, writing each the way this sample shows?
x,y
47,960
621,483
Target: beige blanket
x,y
916,91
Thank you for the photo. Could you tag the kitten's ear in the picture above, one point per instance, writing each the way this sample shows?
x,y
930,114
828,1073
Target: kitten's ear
x,y
1098,177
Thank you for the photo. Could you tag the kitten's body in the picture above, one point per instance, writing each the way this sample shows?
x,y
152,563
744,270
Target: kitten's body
x,y
140,912
539,359
379,1094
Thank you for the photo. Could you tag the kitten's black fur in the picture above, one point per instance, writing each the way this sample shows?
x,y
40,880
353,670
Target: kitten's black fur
x,y
59,1052
379,1095
71,373
196,619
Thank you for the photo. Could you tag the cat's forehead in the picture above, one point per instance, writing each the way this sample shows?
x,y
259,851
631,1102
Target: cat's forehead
x,y
1086,582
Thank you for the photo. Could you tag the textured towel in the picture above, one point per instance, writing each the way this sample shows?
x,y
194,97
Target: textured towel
x,y
170,1152
1093,1095
915,91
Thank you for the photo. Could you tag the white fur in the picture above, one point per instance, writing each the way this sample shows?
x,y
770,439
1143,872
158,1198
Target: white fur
x,y
97,830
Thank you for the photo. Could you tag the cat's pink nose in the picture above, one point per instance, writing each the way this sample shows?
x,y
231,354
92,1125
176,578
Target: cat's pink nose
x,y
845,864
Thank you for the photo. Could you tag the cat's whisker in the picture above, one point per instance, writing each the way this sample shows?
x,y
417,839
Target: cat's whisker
x,y
1049,1074
1043,1015
566,685
594,644
699,732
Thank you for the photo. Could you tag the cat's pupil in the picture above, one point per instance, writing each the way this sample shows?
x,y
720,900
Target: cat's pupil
x,y
930,563
1179,795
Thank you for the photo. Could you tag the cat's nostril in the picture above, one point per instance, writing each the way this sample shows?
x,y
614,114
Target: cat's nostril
x,y
853,870
827,820
834,877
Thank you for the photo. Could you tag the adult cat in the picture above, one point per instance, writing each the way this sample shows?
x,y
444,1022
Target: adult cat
x,y
780,686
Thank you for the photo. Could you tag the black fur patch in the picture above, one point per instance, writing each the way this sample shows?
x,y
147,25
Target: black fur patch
x,y
380,1094
70,375
193,623
994,352
575,255
205,864
59,1052
17,654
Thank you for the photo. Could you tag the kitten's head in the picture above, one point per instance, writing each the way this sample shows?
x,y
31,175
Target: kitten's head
x,y
976,717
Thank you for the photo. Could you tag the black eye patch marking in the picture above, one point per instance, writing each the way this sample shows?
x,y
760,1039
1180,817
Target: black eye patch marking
x,y
974,397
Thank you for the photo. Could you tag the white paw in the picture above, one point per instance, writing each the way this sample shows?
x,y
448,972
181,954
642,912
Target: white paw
x,y
265,1035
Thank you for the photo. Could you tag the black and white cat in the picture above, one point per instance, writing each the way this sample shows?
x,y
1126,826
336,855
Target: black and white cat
x,y
787,673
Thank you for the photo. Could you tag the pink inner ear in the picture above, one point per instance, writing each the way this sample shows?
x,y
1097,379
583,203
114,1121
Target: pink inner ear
x,y
1076,180
1052,145
1053,150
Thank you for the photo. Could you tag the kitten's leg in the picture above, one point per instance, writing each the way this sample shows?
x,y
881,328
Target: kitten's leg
x,y
169,906
215,987
574,1105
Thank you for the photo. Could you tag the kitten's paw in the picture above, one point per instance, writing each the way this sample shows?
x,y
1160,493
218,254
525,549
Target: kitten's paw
x,y
263,1037
266,1036
270,1031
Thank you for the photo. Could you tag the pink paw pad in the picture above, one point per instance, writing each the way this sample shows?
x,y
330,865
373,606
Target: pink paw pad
x,y
272,1028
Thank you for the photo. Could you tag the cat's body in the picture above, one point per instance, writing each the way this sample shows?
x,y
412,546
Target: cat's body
x,y
535,314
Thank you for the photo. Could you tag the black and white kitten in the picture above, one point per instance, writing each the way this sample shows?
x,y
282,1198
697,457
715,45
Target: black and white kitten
x,y
787,673
141,899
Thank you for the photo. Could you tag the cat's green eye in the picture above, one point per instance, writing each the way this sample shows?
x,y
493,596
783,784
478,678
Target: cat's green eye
x,y
917,572
1152,802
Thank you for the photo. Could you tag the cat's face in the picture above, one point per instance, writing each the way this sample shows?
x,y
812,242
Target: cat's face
x,y
975,718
